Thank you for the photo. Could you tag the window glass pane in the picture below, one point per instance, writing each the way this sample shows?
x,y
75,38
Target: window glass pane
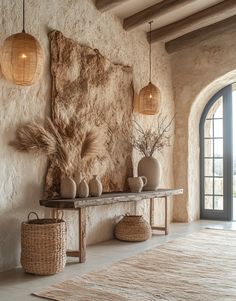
x,y
208,185
208,167
216,110
219,110
218,128
218,167
218,202
208,202
218,186
208,128
218,148
208,148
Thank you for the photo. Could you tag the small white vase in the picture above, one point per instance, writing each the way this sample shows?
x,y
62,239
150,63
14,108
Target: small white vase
x,y
83,189
95,186
67,188
150,168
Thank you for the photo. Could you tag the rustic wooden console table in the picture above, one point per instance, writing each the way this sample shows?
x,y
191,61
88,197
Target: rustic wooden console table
x,y
81,204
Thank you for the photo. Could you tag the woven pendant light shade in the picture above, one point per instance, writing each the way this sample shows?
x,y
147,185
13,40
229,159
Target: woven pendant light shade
x,y
149,100
150,95
21,59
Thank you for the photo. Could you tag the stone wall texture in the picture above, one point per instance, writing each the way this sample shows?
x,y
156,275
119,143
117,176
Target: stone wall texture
x,y
22,176
198,73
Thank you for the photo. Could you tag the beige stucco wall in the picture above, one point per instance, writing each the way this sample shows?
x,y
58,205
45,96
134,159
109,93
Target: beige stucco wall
x,y
22,175
198,73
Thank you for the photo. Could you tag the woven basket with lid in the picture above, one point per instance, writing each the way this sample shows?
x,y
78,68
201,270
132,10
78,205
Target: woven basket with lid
x,y
43,245
133,228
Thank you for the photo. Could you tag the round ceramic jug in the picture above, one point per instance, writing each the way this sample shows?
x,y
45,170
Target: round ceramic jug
x,y
136,184
95,186
67,188
83,189
150,168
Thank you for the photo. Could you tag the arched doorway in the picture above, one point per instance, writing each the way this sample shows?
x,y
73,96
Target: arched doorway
x,y
217,156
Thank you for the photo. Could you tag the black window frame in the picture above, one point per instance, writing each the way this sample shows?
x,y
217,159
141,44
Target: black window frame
x,y
226,213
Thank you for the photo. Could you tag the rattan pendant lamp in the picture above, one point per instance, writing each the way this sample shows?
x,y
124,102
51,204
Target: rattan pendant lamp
x,y
149,96
22,57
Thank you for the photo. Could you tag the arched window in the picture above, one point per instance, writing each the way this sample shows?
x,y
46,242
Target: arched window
x,y
216,156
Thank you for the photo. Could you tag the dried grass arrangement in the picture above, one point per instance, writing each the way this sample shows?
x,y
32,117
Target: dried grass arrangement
x,y
92,144
35,138
47,139
153,139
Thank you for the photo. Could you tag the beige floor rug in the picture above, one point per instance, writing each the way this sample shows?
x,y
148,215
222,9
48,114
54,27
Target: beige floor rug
x,y
200,266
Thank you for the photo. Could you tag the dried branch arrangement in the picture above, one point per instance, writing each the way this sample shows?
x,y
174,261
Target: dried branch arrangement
x,y
150,140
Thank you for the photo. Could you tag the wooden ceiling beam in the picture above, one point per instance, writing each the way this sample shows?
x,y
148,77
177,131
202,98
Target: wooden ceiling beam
x,y
154,11
211,15
195,37
104,5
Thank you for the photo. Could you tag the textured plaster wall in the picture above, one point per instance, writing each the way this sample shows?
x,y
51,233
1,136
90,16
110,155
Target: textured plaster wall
x,y
22,176
198,73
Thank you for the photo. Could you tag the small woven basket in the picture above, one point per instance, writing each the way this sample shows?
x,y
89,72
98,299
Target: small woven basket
x,y
133,228
43,245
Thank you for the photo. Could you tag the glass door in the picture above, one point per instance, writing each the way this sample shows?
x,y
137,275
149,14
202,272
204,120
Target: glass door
x,y
216,157
234,149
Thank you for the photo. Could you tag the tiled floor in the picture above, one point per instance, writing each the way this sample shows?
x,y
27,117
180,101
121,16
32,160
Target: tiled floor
x,y
16,285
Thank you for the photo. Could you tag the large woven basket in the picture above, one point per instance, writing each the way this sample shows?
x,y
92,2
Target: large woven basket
x,y
43,245
133,228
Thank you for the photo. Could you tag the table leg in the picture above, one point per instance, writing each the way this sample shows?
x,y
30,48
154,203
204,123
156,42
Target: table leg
x,y
166,216
151,212
82,234
161,228
54,213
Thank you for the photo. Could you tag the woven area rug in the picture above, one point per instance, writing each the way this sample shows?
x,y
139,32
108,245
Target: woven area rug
x,y
200,266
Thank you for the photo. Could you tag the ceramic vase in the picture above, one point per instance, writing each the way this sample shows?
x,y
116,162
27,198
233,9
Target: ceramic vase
x,y
67,188
95,186
83,189
150,168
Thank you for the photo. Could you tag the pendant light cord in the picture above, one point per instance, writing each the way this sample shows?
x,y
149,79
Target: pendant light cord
x,y
150,52
23,16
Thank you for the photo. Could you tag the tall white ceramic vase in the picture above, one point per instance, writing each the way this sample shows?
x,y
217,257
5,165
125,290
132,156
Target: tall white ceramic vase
x,y
67,188
150,168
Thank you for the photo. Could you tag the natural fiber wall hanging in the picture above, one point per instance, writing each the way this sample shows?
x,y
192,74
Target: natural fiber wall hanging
x,y
91,111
